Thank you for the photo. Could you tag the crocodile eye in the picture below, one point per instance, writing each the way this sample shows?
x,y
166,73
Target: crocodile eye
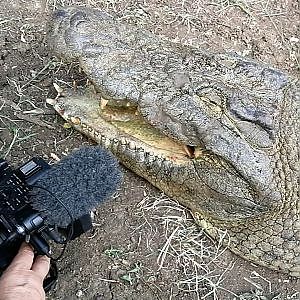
x,y
77,18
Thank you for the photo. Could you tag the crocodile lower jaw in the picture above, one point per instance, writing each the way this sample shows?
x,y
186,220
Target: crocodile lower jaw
x,y
118,127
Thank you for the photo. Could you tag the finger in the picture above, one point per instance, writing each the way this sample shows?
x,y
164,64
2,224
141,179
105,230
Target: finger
x,y
41,266
24,258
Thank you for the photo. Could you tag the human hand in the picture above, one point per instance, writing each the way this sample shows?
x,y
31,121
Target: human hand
x,y
23,278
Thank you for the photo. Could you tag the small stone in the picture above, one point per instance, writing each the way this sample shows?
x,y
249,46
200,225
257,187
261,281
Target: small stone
x,y
254,239
125,262
67,125
47,82
51,101
268,258
295,274
294,39
58,88
54,156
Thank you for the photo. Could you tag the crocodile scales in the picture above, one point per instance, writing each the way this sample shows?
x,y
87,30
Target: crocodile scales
x,y
218,132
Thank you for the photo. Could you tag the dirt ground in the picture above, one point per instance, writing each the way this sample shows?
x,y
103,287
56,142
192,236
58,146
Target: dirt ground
x,y
144,245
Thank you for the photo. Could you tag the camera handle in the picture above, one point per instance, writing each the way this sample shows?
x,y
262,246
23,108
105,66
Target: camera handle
x,y
39,244
41,247
51,279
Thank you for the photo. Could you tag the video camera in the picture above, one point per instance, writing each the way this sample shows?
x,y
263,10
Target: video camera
x,y
20,222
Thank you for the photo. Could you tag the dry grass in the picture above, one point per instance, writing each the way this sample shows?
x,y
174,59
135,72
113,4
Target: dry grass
x,y
54,4
201,264
199,258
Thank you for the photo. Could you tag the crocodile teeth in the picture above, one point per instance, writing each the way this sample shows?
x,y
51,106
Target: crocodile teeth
x,y
140,155
151,153
75,120
103,103
167,164
105,142
131,145
102,139
159,156
115,144
122,147
150,157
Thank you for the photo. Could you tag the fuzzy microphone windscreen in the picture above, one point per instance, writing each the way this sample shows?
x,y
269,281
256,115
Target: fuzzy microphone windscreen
x,y
81,181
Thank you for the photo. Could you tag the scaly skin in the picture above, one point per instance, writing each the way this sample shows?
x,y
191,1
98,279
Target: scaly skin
x,y
240,120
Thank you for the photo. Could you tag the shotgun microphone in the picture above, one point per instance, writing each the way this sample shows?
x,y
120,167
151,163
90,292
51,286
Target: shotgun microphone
x,y
80,181
39,203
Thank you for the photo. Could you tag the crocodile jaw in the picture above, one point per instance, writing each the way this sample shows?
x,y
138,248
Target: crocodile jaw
x,y
164,162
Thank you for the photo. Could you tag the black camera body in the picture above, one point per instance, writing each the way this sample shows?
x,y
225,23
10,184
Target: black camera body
x,y
20,222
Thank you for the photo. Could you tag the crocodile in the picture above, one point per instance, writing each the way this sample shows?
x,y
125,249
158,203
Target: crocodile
x,y
215,131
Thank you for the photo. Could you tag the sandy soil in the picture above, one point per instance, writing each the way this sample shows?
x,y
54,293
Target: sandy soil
x,y
143,246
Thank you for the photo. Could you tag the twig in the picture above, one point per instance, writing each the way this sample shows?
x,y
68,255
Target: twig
x,y
15,136
34,120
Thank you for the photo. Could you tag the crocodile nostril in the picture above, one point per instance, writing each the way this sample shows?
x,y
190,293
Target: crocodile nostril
x,y
59,13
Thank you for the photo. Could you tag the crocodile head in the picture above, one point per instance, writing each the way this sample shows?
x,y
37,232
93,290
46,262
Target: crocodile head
x,y
217,132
